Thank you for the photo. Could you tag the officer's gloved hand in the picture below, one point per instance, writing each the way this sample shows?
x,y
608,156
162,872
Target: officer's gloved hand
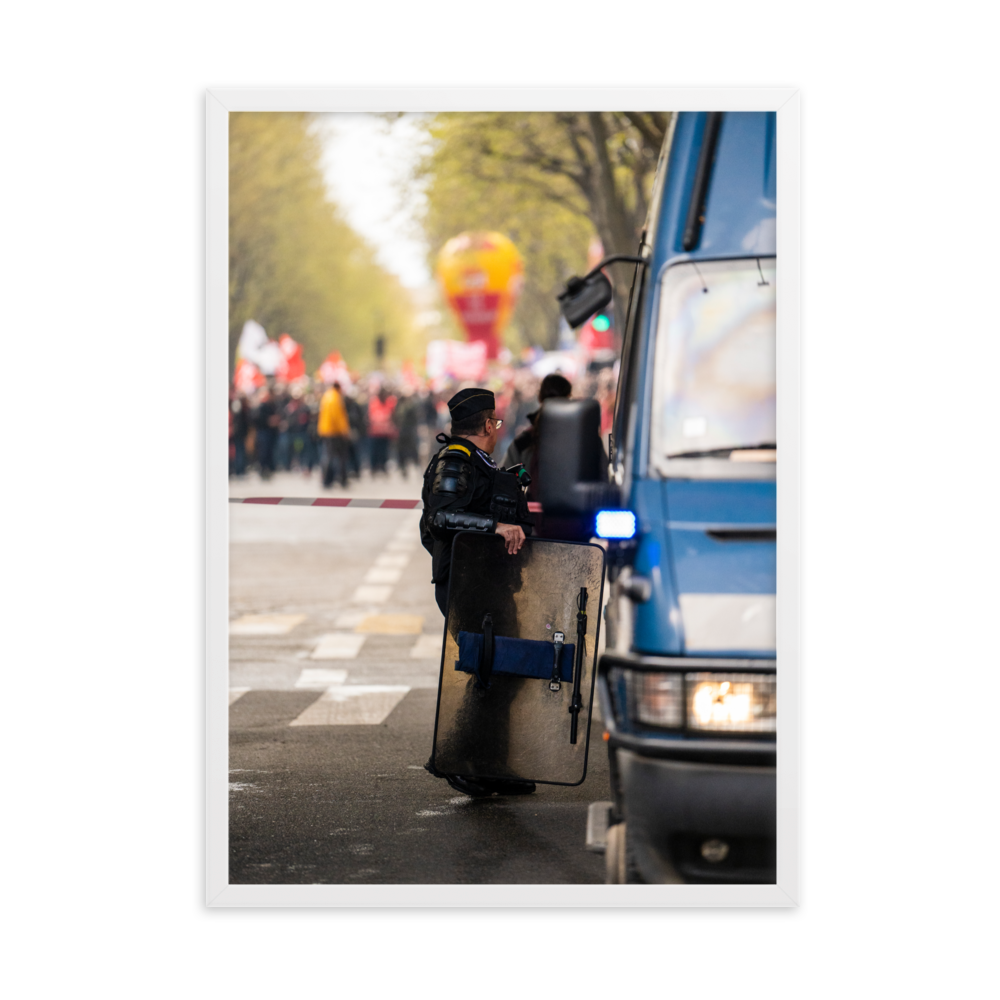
x,y
513,536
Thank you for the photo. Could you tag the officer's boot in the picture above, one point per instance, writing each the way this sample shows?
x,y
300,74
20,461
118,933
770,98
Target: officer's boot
x,y
465,785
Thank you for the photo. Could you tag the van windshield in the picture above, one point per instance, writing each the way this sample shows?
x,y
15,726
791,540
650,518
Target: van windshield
x,y
714,386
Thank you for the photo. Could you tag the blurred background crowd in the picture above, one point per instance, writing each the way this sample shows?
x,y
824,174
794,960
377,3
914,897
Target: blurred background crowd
x,y
383,262
336,430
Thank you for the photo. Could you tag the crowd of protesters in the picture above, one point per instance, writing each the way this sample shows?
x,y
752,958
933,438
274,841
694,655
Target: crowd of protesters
x,y
373,424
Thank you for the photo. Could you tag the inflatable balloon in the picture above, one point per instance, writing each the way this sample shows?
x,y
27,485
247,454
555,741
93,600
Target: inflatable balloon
x,y
481,275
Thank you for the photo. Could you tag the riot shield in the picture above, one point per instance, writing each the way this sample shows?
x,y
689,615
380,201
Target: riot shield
x,y
519,656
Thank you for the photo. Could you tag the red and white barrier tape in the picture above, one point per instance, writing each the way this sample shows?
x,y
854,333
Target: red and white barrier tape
x,y
535,508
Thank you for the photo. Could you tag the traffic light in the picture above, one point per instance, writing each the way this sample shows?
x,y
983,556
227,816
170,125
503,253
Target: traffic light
x,y
600,322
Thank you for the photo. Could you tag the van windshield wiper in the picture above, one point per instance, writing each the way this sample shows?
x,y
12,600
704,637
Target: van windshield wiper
x,y
724,452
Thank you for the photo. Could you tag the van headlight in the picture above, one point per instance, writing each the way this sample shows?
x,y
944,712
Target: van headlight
x,y
703,702
731,703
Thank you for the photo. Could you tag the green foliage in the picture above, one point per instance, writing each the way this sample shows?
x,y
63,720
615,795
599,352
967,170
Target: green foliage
x,y
467,189
549,181
294,264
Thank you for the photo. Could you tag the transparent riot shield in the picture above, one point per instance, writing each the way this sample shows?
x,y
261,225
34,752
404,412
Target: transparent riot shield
x,y
520,650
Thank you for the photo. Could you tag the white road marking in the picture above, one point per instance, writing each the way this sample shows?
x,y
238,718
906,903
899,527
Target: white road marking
x,y
392,561
265,624
379,575
427,647
350,619
236,693
338,646
369,593
399,545
352,705
319,677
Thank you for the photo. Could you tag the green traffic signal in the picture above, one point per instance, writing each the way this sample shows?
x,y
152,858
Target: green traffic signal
x,y
600,323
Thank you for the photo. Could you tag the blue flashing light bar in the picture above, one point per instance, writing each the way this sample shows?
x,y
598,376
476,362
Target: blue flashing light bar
x,y
615,524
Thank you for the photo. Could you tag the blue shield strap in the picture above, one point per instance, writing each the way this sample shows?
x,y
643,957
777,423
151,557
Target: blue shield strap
x,y
519,657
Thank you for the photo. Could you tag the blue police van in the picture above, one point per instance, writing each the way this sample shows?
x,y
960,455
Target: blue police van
x,y
687,683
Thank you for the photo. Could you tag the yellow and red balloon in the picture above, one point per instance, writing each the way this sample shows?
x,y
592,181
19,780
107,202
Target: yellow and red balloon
x,y
481,275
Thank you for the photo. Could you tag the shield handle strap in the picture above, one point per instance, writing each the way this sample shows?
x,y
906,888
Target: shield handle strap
x,y
555,683
486,663
576,702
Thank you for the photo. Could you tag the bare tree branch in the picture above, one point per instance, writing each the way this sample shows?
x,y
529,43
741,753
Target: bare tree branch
x,y
536,156
545,190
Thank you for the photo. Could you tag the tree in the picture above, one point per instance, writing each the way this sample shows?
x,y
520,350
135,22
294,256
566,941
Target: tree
x,y
553,174
294,264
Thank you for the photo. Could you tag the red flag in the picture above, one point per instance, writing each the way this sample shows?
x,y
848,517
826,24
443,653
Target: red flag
x,y
292,365
247,376
333,370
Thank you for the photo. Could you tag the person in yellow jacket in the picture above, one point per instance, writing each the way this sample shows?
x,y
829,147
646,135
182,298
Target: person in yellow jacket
x,y
333,429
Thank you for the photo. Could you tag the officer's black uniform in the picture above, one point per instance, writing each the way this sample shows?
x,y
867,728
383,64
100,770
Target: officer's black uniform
x,y
464,490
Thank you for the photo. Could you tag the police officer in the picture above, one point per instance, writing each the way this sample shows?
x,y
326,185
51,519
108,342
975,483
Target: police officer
x,y
464,490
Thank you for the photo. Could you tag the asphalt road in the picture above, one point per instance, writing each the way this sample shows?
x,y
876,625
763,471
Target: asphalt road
x,y
334,657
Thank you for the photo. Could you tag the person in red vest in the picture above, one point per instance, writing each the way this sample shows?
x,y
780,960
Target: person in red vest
x,y
381,429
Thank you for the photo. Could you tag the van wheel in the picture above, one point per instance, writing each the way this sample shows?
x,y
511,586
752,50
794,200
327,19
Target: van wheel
x,y
620,867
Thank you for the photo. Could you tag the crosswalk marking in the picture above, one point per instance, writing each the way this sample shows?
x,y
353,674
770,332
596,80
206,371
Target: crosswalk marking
x,y
391,624
352,705
369,593
320,678
338,646
427,647
379,575
351,618
399,545
392,560
265,624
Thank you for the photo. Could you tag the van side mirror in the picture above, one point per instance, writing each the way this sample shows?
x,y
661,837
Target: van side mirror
x,y
575,479
583,297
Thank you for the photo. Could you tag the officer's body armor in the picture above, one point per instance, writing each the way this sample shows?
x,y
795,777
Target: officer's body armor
x,y
464,490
